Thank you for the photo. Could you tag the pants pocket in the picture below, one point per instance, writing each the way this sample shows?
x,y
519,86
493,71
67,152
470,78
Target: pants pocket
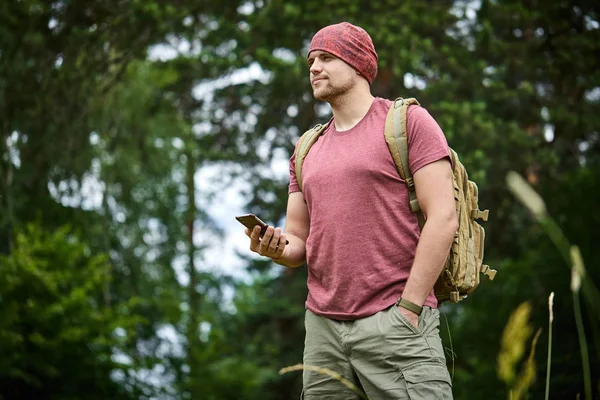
x,y
405,323
428,380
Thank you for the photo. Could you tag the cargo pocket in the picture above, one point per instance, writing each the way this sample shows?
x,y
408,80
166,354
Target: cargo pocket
x,y
428,380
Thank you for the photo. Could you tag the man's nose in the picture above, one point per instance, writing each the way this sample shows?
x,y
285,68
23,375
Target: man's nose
x,y
316,67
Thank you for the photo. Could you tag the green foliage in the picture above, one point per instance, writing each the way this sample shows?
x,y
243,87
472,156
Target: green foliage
x,y
56,336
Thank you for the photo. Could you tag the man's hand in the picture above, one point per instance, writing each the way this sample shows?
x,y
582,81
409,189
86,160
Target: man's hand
x,y
272,244
411,316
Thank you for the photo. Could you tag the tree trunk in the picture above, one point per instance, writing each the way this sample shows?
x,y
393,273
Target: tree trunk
x,y
192,333
6,203
107,215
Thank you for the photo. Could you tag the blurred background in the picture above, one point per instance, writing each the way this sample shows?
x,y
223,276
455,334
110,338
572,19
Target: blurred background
x,y
133,131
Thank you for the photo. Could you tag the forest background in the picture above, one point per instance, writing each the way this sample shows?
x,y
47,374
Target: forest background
x,y
132,132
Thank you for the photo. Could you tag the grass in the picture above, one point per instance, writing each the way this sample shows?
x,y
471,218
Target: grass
x,y
325,371
549,360
572,256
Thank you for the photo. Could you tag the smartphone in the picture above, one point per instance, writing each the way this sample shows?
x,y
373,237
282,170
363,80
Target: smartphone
x,y
251,220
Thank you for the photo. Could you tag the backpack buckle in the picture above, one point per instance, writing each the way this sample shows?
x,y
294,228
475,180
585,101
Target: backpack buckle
x,y
478,214
414,206
454,297
487,271
398,102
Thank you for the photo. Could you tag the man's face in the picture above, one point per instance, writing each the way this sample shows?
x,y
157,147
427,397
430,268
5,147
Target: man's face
x,y
330,77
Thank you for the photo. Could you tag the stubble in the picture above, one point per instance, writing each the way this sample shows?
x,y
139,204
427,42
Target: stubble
x,y
333,93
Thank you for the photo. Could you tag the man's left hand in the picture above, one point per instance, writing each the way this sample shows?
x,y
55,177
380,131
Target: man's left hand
x,y
411,316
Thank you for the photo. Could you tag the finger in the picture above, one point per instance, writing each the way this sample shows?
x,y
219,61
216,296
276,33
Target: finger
x,y
275,240
280,246
283,241
254,238
263,244
266,239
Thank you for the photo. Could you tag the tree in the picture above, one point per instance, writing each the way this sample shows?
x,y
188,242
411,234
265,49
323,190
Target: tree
x,y
58,339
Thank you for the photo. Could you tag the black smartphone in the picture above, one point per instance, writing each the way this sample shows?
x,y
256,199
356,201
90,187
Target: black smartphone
x,y
251,220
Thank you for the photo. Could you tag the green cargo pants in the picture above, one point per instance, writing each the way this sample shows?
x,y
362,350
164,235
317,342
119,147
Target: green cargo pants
x,y
384,355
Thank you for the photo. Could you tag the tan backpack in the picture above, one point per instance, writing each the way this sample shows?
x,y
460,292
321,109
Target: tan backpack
x,y
460,276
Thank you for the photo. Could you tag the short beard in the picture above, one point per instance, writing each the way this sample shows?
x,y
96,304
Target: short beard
x,y
333,94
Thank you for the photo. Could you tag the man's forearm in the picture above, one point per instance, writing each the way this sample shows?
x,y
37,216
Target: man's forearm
x,y
432,252
294,254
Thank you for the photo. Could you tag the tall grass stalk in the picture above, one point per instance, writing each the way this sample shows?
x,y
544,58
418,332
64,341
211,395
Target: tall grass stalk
x,y
516,333
590,292
572,256
534,202
575,287
583,346
325,371
549,363
450,351
527,376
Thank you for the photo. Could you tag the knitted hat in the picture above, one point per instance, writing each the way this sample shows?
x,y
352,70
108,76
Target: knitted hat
x,y
351,44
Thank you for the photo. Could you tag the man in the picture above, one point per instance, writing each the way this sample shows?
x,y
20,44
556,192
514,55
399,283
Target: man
x,y
351,224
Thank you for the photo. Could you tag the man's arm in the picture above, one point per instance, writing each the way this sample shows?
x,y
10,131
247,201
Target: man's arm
x,y
273,243
435,193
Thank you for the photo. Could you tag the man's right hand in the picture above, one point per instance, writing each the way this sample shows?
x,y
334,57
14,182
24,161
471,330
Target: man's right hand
x,y
272,244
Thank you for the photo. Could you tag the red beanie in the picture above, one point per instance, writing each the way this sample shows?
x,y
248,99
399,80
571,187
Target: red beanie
x,y
351,44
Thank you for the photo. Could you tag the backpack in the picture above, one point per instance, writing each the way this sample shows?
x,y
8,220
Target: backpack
x,y
460,275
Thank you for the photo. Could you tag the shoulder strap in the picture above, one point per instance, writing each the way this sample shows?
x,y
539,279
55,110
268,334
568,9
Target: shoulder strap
x,y
305,142
397,140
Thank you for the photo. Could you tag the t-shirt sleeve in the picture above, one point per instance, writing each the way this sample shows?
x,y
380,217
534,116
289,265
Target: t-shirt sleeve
x,y
294,186
426,141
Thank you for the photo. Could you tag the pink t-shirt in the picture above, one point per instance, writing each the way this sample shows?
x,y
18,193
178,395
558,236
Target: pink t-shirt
x,y
363,236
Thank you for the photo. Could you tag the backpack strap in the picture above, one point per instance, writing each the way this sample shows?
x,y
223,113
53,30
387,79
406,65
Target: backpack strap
x,y
305,142
397,140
